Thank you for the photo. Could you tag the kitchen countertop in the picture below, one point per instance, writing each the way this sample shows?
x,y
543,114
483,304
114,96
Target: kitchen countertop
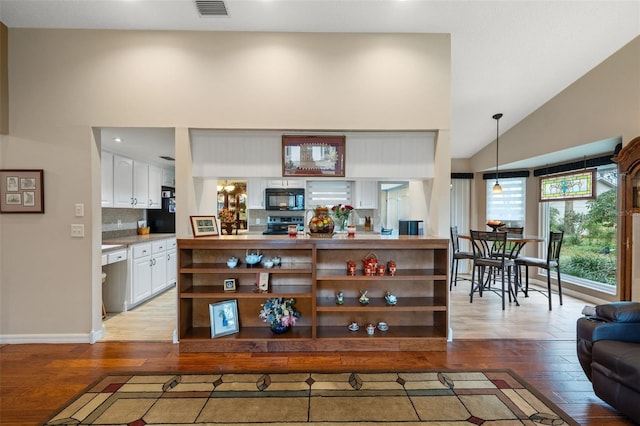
x,y
134,239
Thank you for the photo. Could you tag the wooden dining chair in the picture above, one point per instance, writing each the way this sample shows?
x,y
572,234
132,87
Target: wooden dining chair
x,y
551,262
488,261
457,254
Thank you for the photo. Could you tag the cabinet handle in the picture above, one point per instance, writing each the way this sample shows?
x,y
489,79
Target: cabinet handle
x,y
150,201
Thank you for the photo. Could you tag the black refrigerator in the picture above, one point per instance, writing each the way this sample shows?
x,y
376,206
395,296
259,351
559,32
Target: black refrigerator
x,y
163,220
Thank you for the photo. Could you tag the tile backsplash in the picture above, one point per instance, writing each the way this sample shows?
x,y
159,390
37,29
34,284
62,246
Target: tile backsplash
x,y
128,222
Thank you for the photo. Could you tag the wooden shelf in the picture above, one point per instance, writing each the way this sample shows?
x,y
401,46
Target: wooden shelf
x,y
327,304
217,291
312,272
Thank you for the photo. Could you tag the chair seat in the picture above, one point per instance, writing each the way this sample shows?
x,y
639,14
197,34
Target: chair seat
x,y
494,263
462,255
535,261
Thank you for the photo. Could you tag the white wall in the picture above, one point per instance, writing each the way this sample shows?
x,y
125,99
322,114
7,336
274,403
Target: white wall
x,y
65,82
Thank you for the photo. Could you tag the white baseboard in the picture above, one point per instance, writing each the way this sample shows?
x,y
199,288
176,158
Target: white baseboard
x,y
47,338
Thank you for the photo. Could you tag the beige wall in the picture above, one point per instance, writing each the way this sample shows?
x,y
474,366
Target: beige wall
x,y
64,82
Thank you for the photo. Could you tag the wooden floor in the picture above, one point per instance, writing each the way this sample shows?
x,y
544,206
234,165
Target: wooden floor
x,y
538,345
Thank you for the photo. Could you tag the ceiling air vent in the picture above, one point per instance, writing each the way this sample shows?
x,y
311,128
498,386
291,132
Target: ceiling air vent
x,y
166,157
211,8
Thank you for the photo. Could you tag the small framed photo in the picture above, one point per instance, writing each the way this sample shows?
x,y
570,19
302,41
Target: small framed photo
x,y
21,191
230,284
204,226
224,318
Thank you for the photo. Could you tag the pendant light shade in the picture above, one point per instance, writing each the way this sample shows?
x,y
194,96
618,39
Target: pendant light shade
x,y
497,189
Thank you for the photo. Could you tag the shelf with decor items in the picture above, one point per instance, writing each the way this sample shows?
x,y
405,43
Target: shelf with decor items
x,y
312,271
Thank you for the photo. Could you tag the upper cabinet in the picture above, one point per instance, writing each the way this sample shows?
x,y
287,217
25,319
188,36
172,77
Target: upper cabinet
x,y
285,183
255,193
155,187
107,179
122,182
366,194
130,184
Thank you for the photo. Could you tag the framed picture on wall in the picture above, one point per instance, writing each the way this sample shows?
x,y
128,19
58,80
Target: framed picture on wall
x,y
204,226
21,191
317,156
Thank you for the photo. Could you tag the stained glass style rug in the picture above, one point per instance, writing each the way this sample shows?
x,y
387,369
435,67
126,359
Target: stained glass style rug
x,y
411,398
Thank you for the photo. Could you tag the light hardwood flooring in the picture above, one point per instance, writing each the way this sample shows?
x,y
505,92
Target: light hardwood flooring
x,y
482,319
153,321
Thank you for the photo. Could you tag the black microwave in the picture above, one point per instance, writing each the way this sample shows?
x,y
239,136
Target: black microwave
x,y
284,199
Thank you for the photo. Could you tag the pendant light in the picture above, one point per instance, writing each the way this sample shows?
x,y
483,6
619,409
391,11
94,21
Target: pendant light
x,y
497,189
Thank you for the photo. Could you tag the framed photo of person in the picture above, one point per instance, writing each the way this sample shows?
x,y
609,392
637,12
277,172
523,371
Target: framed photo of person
x,y
204,226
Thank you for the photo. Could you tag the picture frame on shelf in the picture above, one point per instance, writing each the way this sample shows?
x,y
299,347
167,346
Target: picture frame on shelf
x,y
313,156
262,282
224,318
21,191
230,284
204,226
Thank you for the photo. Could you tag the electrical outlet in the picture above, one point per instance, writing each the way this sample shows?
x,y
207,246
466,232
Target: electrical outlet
x,y
119,224
257,221
361,221
77,230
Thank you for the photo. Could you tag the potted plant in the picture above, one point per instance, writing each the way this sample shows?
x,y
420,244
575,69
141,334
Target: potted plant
x,y
279,313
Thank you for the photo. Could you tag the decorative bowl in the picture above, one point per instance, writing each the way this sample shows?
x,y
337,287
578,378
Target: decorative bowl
x,y
267,263
232,262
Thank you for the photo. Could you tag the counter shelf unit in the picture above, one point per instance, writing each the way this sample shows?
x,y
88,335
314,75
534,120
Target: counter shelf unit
x,y
312,272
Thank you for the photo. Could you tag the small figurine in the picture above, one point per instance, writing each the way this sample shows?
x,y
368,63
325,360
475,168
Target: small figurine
x,y
364,300
390,298
340,298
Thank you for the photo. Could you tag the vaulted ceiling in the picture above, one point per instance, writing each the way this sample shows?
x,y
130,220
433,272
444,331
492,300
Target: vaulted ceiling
x,y
507,56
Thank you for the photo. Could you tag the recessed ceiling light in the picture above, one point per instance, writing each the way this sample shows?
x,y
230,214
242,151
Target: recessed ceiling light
x,y
117,140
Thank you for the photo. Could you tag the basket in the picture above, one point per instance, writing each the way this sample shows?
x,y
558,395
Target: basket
x,y
144,231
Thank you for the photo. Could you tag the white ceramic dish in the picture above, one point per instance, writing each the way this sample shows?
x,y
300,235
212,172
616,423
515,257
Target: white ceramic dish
x,y
354,327
382,326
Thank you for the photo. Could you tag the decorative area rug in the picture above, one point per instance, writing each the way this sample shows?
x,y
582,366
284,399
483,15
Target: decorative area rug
x,y
412,398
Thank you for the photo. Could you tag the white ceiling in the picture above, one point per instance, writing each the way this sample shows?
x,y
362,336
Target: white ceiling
x,y
507,56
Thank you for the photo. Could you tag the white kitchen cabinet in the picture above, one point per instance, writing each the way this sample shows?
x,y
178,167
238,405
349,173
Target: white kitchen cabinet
x,y
107,179
172,262
158,266
140,185
155,187
140,273
172,267
366,194
255,193
122,182
286,183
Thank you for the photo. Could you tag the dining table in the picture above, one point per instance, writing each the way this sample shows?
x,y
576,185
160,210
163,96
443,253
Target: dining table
x,y
515,244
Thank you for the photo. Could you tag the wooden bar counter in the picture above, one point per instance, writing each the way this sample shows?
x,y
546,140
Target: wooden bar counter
x,y
313,271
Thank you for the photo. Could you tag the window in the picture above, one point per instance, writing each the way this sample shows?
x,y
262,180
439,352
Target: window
x,y
588,255
328,193
509,205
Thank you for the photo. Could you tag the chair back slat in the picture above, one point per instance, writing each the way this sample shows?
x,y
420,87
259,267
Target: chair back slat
x,y
555,243
455,242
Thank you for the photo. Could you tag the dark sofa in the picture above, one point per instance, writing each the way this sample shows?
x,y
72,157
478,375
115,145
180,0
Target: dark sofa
x,y
609,353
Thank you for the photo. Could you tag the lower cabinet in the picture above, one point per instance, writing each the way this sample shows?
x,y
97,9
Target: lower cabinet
x,y
313,272
153,270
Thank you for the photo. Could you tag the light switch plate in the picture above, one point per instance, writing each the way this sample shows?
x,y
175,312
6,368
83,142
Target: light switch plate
x,y
79,210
